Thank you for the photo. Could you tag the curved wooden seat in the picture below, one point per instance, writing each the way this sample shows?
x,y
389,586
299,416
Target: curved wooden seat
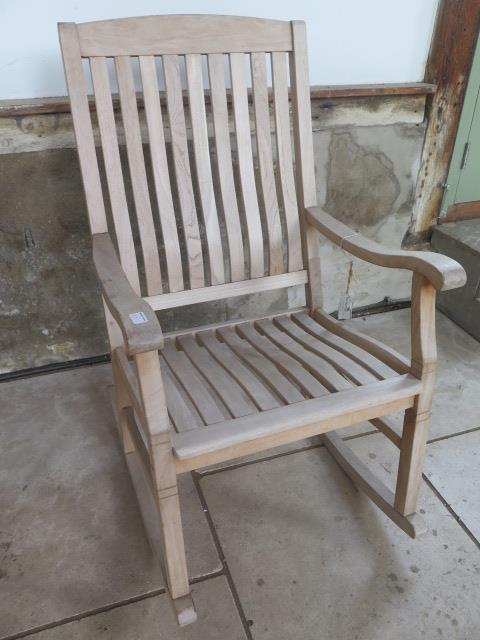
x,y
253,385
245,369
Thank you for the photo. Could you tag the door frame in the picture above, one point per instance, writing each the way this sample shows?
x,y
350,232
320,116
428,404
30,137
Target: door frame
x,y
471,102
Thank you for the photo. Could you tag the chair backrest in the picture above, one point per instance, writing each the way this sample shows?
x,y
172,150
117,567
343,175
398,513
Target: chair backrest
x,y
195,232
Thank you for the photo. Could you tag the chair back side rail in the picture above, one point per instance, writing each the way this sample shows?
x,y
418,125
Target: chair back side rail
x,y
304,159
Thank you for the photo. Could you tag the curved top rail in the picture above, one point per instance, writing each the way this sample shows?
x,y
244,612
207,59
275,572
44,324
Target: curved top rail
x,y
182,34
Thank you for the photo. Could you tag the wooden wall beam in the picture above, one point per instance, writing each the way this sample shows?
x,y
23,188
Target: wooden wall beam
x,y
35,106
449,61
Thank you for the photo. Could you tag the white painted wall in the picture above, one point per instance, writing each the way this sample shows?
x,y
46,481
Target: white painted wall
x,y
350,41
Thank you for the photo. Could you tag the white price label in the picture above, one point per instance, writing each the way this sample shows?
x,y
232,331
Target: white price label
x,y
138,318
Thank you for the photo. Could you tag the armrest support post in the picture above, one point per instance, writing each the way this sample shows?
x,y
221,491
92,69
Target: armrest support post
x,y
423,339
415,424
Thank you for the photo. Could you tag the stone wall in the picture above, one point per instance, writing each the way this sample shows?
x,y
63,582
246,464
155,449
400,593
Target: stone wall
x,y
367,153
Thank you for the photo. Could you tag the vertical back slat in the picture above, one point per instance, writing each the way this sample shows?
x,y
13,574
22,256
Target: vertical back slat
x,y
268,190
113,169
183,176
285,159
196,95
163,190
223,149
136,163
245,164
72,62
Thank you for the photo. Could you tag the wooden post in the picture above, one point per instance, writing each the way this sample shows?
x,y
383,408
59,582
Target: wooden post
x,y
123,402
121,395
304,160
448,65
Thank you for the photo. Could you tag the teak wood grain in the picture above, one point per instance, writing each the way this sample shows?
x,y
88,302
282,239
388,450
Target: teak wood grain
x,y
210,394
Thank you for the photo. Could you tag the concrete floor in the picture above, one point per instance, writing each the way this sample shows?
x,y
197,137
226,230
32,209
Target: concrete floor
x,y
281,546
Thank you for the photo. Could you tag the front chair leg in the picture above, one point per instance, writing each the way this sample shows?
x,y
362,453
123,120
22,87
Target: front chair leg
x,y
174,559
412,457
415,426
165,486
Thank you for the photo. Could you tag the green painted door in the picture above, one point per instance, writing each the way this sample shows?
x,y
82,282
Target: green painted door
x,y
463,182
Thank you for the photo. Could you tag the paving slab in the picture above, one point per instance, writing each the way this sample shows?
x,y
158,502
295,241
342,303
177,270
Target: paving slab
x,y
312,557
456,404
453,467
71,534
153,619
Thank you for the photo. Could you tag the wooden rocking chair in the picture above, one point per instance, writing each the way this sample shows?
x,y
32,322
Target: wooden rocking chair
x,y
203,396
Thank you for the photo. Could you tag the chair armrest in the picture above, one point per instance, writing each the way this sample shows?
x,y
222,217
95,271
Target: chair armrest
x,y
136,319
441,271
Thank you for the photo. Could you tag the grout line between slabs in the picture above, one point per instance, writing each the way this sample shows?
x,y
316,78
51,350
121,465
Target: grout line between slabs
x,y
105,608
226,570
453,435
451,511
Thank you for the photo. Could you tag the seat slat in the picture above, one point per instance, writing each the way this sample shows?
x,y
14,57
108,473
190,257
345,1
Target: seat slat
x,y
245,377
113,169
176,118
285,160
245,164
265,369
181,410
223,150
309,384
268,191
231,393
318,367
362,357
136,163
344,365
160,170
358,374
383,352
208,406
193,65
